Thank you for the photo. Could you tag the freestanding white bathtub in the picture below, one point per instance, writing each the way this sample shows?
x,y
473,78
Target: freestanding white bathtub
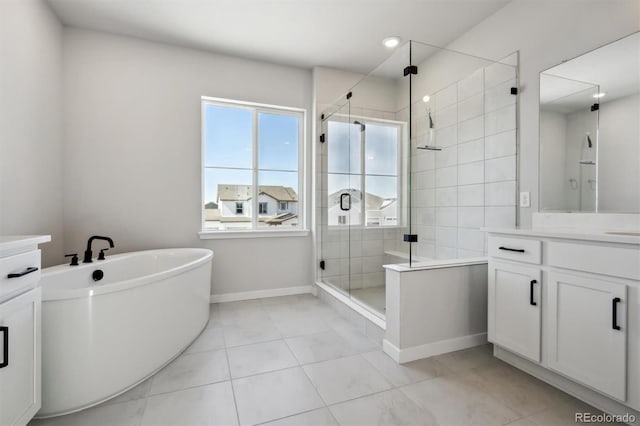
x,y
101,338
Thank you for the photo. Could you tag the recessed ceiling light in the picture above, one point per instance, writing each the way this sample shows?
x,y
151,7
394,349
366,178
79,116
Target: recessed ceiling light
x,y
426,98
391,42
599,95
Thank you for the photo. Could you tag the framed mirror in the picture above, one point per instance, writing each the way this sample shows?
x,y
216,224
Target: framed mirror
x,y
590,131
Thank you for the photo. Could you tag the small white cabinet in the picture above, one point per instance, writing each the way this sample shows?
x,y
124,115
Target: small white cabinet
x,y
20,340
514,310
588,332
20,358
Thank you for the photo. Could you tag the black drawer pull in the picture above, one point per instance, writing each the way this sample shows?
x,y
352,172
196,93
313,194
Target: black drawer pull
x,y
531,301
5,346
510,249
23,273
614,316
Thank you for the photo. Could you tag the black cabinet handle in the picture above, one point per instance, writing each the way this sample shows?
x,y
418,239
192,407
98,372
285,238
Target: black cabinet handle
x,y
5,346
23,273
614,315
531,301
511,249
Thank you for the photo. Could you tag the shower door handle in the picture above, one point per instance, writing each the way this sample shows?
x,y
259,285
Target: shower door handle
x,y
346,197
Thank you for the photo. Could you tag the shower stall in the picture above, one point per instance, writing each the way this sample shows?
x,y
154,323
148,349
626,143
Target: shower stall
x,y
412,162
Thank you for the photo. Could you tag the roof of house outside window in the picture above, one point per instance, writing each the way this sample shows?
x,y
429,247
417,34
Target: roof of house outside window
x,y
244,192
373,202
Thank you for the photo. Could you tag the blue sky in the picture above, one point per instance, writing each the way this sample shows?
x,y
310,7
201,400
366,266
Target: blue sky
x,y
380,158
228,153
228,135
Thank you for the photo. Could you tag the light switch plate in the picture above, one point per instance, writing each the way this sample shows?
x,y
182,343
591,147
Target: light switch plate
x,y
525,199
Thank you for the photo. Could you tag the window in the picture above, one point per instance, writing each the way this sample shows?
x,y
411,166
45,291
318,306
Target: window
x,y
363,166
252,158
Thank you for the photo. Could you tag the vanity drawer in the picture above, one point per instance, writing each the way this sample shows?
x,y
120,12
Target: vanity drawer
x,y
19,264
606,260
518,249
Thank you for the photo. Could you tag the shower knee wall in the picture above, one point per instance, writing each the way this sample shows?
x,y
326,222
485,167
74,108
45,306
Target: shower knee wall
x,y
435,309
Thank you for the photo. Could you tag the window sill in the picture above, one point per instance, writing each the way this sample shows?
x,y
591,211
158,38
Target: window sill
x,y
228,235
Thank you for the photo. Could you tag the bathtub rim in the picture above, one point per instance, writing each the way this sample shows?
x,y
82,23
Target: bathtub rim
x,y
84,292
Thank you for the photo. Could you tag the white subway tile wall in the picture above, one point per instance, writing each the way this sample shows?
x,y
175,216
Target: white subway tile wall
x,y
469,184
471,195
470,152
474,174
500,145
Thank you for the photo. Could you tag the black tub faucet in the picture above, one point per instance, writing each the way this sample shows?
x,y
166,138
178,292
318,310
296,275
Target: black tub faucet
x,y
88,254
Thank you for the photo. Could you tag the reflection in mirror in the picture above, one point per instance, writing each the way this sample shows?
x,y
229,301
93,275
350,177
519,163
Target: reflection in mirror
x,y
590,132
568,127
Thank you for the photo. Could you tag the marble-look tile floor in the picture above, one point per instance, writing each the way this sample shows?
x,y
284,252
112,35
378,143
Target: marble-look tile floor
x,y
294,361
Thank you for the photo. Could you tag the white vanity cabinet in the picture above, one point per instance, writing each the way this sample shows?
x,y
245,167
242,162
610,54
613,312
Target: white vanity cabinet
x,y
20,339
20,364
514,310
566,308
587,331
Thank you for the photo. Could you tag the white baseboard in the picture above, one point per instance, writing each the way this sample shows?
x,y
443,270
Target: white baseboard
x,y
431,349
391,350
261,294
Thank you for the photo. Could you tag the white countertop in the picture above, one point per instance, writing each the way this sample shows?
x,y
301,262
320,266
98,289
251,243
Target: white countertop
x,y
571,233
16,242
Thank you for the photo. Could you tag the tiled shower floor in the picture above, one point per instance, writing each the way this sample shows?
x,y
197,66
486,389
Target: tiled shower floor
x,y
294,361
373,297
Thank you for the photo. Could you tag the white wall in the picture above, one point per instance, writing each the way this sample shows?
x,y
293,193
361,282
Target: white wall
x,y
132,145
30,118
546,32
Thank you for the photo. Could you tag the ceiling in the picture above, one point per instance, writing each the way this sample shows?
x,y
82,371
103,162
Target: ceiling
x,y
344,34
613,69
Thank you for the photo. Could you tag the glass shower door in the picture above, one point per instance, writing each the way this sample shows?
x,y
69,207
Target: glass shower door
x,y
341,196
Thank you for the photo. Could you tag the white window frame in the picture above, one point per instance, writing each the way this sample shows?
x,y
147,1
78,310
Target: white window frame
x,y
401,127
256,108
239,207
283,203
